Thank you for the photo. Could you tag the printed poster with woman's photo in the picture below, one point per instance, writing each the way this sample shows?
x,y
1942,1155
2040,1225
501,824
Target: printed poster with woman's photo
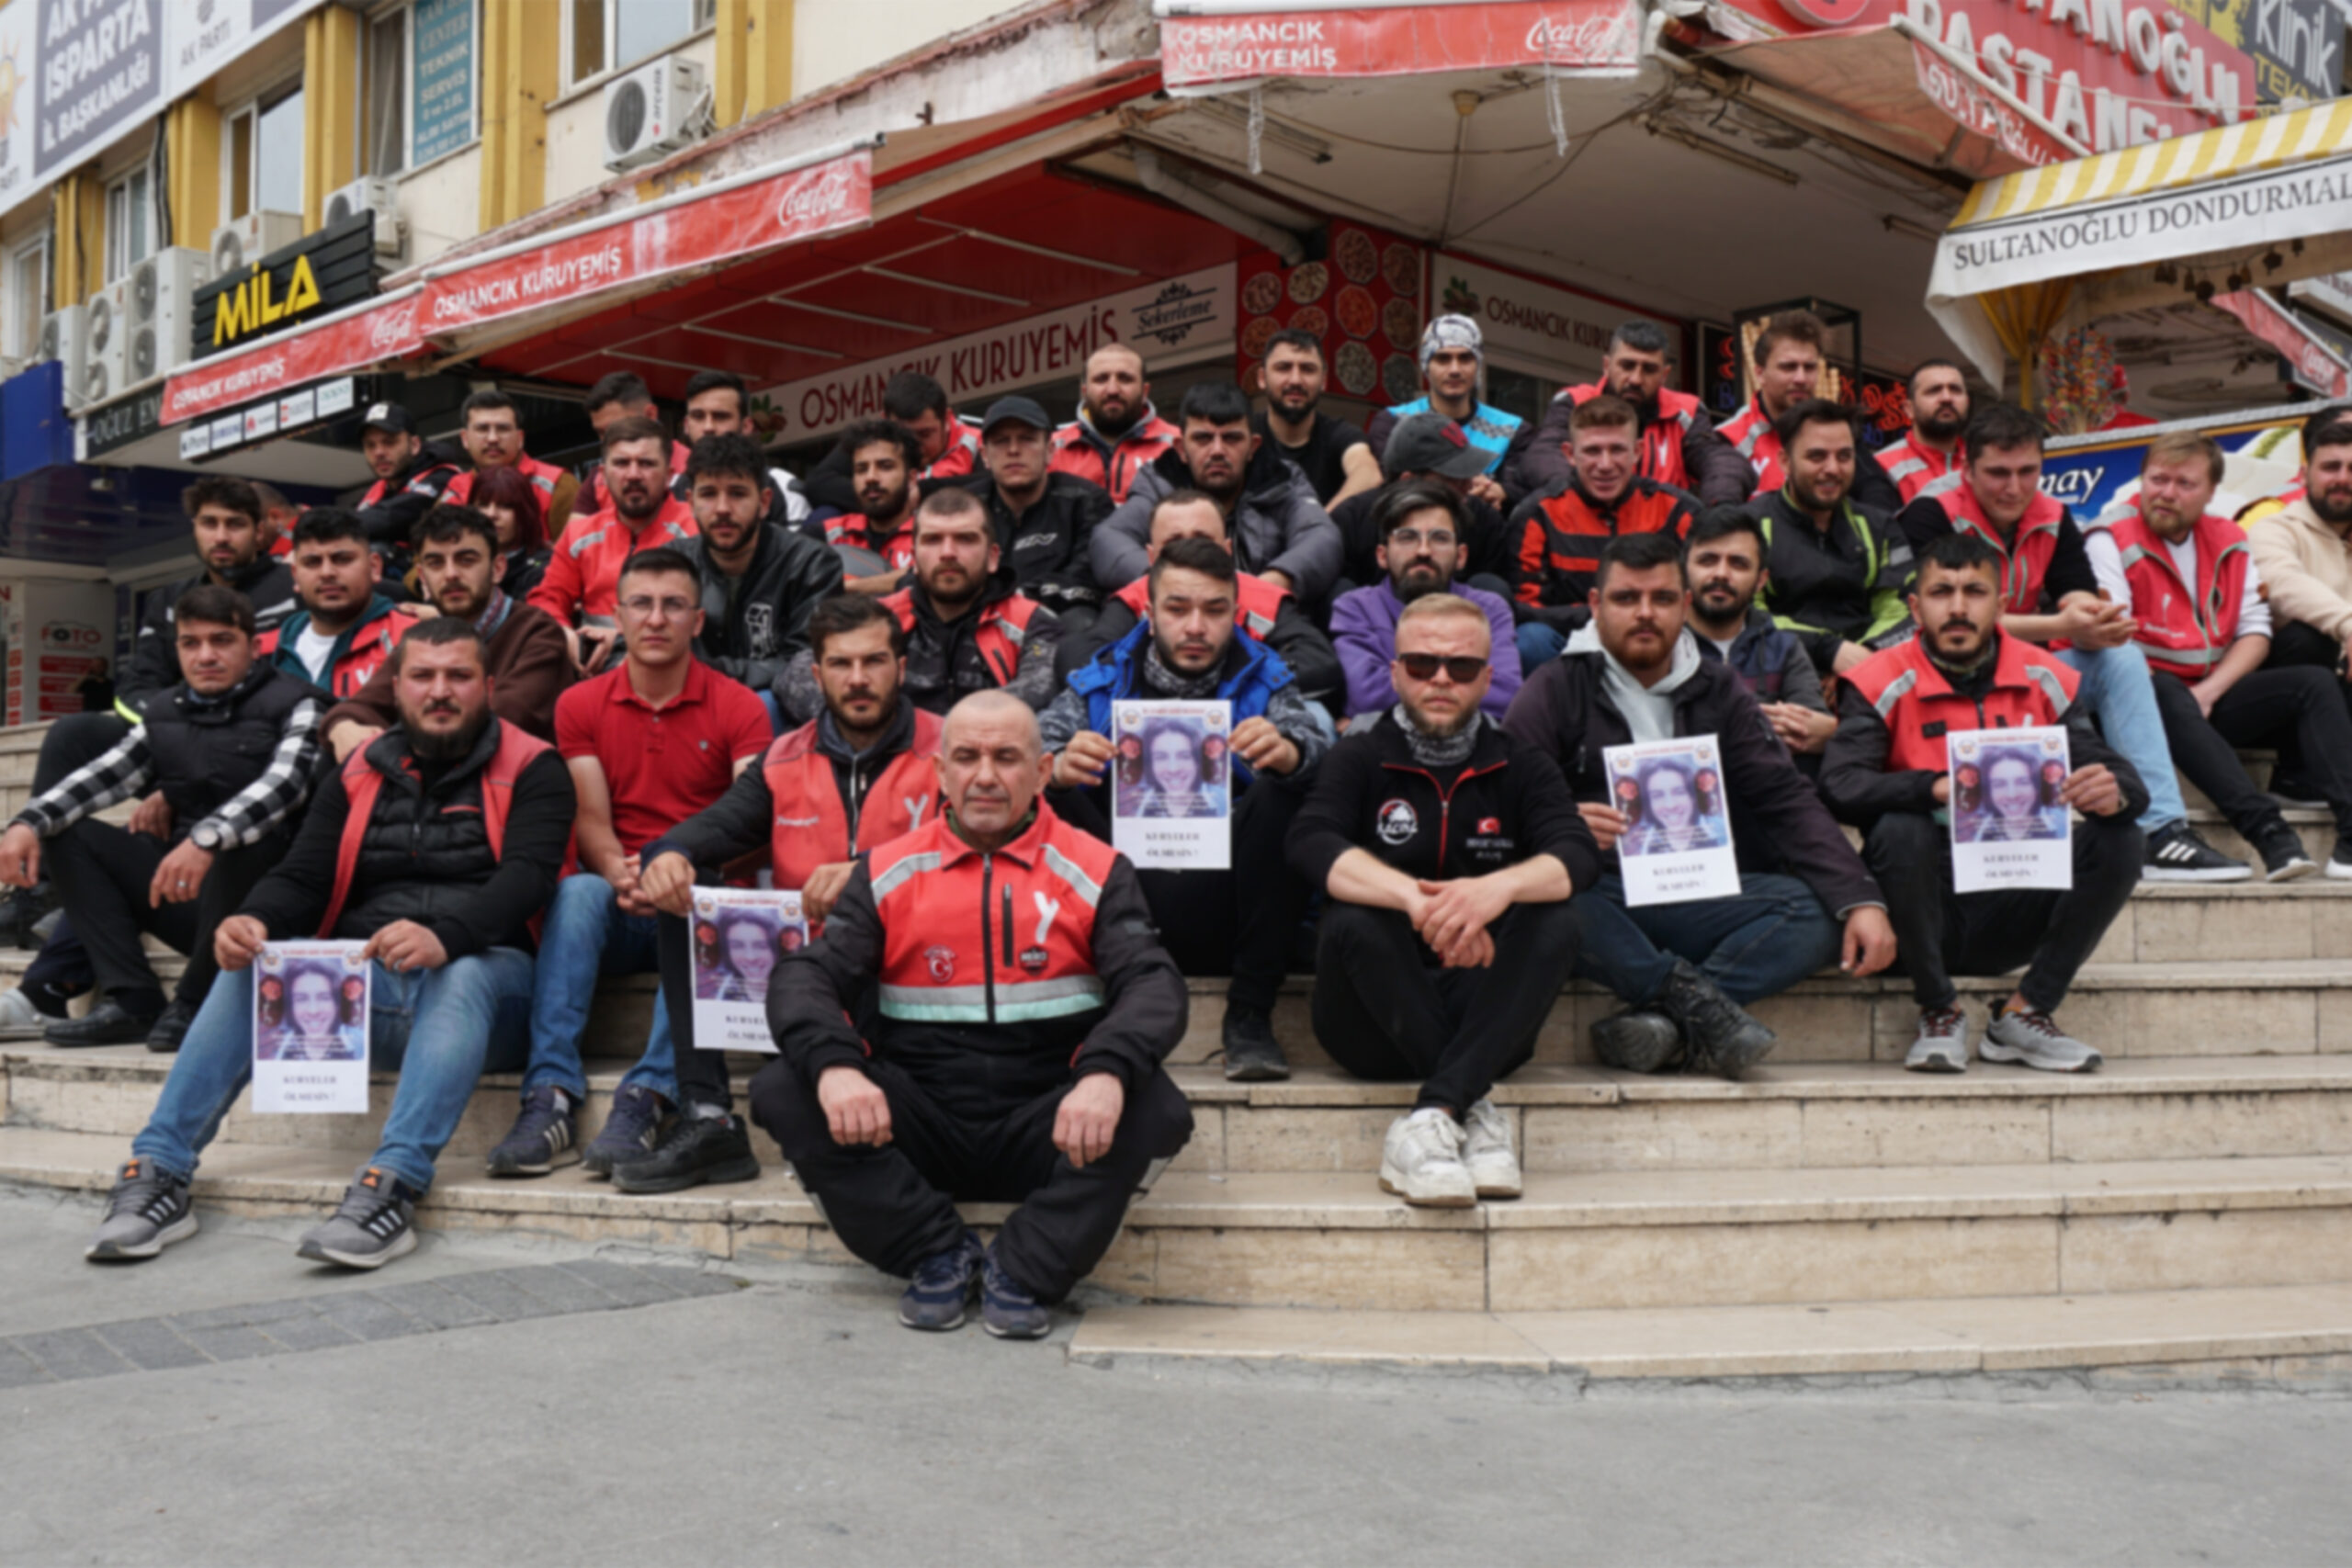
x,y
741,934
1171,792
1677,842
2010,826
310,1026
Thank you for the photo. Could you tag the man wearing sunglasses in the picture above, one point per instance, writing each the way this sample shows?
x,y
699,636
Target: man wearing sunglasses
x,y
1450,851
1686,970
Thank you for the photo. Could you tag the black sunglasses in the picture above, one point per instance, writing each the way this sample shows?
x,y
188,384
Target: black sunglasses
x,y
1462,669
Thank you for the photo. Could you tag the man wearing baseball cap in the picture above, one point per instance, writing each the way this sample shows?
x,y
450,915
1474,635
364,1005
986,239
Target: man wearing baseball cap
x,y
1044,520
411,474
1433,449
1453,366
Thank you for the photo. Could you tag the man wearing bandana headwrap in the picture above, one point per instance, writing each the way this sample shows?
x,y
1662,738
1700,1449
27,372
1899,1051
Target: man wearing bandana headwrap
x,y
1454,369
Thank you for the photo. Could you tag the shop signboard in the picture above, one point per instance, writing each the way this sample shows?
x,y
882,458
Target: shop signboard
x,y
441,78
2296,46
119,423
2262,454
2310,362
56,632
1543,326
364,335
318,274
1174,319
1204,44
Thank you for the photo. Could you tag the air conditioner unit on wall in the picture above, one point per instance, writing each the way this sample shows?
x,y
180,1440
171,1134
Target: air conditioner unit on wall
x,y
64,337
104,360
369,195
654,110
251,237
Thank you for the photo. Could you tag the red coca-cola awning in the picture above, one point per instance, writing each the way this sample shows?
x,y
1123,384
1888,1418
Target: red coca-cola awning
x,y
1213,42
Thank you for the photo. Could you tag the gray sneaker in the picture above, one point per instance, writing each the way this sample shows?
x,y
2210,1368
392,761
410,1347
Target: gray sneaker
x,y
2035,1040
1486,1151
146,1213
1942,1042
374,1226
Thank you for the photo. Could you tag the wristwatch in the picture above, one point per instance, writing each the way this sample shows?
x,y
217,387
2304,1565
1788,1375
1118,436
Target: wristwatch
x,y
206,836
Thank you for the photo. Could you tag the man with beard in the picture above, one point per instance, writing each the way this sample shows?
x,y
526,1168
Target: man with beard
x,y
1117,431
648,744
883,456
434,846
1887,771
1259,608
947,445
1421,530
1279,531
411,475
524,650
2051,597
760,580
584,575
2200,614
1835,569
622,394
717,403
493,439
345,630
1678,444
2302,553
1931,448
968,627
1788,358
1238,922
1432,448
1451,855
823,798
1044,520
1336,456
1724,556
1454,369
1686,970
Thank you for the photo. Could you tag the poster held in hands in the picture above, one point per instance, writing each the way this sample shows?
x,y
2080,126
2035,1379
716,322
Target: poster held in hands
x,y
310,1026
1171,790
1677,843
2010,826
741,934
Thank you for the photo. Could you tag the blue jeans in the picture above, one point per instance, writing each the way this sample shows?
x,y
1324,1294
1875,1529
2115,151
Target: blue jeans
x,y
440,1029
1538,644
587,935
2116,690
1755,945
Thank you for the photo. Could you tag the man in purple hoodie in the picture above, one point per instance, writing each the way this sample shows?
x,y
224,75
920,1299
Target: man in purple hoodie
x,y
1421,526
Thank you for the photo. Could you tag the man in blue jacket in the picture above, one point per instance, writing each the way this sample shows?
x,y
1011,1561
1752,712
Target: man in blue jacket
x,y
1237,922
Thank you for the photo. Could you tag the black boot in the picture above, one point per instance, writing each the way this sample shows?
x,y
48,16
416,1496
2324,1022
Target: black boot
x,y
109,1023
1721,1037
1252,1054
171,1027
1639,1040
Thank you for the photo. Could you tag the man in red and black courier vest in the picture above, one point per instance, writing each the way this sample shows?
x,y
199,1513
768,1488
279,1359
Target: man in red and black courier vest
x,y
1016,1007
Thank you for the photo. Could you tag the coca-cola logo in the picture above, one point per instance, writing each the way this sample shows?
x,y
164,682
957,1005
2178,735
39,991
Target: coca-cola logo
x,y
817,200
1593,39
389,330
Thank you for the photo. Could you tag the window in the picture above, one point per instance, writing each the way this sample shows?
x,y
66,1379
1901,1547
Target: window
x,y
383,125
606,34
263,149
130,223
28,293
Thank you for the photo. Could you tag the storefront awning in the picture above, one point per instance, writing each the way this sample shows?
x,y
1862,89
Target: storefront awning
x,y
1207,45
2043,251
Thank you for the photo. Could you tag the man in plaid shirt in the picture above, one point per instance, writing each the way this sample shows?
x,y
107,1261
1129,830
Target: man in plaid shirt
x,y
234,749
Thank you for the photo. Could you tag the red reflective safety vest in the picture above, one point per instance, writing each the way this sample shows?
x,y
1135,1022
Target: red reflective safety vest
x,y
812,825
1913,468
2184,630
1075,451
1662,437
1256,603
2025,564
544,477
897,549
1003,628
361,660
362,783
962,456
2029,689
1001,937
1751,431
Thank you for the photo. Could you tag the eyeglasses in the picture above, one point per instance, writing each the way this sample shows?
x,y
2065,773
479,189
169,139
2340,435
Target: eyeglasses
x,y
644,605
1461,670
1407,538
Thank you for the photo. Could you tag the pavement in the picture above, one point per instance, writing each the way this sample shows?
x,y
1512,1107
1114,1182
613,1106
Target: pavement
x,y
487,1402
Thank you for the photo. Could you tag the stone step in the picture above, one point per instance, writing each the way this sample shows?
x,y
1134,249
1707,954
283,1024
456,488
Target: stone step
x,y
2284,1335
2316,829
1566,1119
1597,1241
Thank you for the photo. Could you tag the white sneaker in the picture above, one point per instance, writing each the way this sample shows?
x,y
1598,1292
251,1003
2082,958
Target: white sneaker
x,y
1485,1149
1421,1161
20,1019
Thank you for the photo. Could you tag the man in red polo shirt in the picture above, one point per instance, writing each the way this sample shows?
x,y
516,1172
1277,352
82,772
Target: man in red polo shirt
x,y
583,575
648,744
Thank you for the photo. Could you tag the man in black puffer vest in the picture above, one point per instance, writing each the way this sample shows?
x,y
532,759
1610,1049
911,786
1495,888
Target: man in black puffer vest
x,y
234,749
437,844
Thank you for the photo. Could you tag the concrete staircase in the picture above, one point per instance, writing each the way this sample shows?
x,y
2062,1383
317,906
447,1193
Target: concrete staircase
x,y
2190,1207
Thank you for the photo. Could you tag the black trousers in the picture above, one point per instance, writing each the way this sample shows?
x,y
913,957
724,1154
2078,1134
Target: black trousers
x,y
702,1075
2299,709
1384,1010
63,968
102,874
895,1206
1937,930
1238,922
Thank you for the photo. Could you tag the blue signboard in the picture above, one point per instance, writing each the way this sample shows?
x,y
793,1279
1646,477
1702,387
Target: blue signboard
x,y
441,54
2263,449
100,67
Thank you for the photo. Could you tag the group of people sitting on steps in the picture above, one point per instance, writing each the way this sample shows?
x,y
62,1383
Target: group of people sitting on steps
x,y
498,722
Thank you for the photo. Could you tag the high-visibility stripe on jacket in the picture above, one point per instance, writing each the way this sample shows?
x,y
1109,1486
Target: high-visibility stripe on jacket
x,y
1002,631
2025,563
362,784
1256,603
813,825
1078,450
1750,431
544,477
2029,689
1003,936
1661,441
372,643
1559,550
1912,467
2184,628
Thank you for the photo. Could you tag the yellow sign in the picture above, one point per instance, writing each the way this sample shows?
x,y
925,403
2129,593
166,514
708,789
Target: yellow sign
x,y
248,308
